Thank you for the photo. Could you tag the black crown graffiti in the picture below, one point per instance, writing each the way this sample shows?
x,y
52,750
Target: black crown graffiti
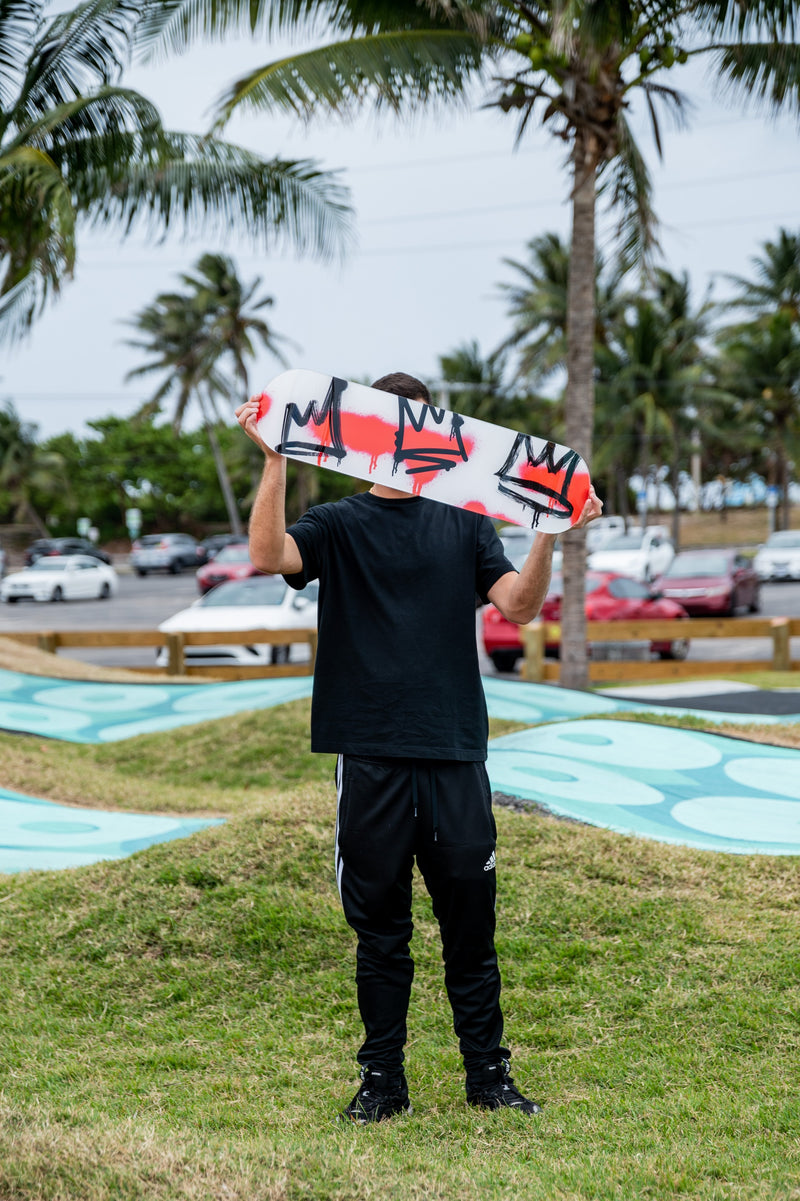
x,y
535,494
427,458
327,414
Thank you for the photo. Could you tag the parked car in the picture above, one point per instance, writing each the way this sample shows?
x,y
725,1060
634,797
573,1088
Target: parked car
x,y
609,597
214,543
60,578
779,557
166,552
261,602
643,554
232,562
64,546
517,547
602,530
712,583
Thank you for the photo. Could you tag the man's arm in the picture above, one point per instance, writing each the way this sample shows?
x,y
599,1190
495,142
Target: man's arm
x,y
271,548
519,596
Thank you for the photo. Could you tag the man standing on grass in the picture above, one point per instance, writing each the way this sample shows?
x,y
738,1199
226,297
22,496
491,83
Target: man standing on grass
x,y
398,698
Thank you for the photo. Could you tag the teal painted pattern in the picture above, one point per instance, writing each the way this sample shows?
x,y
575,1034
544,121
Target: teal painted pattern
x,y
677,786
37,834
680,786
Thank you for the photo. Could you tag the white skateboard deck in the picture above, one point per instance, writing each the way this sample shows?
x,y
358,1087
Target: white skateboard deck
x,y
424,450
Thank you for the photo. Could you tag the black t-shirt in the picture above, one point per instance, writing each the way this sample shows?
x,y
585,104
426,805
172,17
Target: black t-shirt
x,y
397,667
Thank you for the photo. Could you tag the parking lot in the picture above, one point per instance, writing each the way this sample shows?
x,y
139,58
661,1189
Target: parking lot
x,y
142,603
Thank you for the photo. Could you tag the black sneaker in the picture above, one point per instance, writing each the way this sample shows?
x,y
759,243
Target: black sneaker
x,y
380,1097
493,1088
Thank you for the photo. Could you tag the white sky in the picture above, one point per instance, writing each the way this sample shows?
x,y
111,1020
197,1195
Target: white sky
x,y
439,206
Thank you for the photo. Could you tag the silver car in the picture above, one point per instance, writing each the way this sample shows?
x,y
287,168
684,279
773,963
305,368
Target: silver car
x,y
167,552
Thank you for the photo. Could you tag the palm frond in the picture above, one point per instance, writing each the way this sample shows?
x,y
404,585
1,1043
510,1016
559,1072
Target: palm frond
x,y
205,183
106,114
626,182
77,51
766,73
18,307
19,22
172,26
398,70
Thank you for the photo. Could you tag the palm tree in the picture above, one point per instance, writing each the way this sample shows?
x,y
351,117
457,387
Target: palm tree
x,y
574,64
189,334
776,283
77,146
27,469
761,362
654,382
233,312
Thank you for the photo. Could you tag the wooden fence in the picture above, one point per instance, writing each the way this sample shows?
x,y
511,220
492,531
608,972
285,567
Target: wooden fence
x,y
779,629
55,640
534,638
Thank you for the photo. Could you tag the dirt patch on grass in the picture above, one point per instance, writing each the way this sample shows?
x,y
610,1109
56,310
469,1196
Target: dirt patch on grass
x,y
16,656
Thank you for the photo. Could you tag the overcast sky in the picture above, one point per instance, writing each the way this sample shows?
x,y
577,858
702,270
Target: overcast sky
x,y
439,206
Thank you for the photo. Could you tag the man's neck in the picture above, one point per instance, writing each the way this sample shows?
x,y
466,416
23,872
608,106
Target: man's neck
x,y
384,493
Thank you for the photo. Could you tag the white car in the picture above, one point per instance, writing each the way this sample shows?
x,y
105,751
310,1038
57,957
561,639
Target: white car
x,y
60,578
260,602
643,554
779,557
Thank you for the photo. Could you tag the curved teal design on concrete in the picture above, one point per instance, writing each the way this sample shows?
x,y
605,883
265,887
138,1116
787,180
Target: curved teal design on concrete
x,y
90,711
37,834
680,786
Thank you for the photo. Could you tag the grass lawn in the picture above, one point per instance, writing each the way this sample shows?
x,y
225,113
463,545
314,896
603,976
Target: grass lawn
x,y
182,1024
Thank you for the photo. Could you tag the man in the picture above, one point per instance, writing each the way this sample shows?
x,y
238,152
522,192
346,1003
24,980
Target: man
x,y
398,697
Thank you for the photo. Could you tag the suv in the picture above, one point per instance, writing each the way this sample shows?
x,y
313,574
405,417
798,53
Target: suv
x,y
64,546
166,552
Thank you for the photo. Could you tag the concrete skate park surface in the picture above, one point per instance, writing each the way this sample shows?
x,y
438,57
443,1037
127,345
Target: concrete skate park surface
x,y
688,787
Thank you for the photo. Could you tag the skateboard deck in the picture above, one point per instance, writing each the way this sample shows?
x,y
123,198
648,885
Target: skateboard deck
x,y
423,449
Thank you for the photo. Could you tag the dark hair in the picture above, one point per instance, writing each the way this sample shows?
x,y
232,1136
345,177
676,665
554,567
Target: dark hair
x,y
403,385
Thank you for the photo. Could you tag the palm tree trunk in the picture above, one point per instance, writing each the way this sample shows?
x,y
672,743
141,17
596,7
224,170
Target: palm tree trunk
x,y
222,471
579,401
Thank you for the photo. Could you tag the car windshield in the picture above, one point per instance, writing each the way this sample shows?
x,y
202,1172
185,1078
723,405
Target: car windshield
x,y
152,540
631,541
50,563
784,538
236,553
556,587
257,590
684,566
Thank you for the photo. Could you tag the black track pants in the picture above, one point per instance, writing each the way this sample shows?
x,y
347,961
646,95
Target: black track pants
x,y
389,812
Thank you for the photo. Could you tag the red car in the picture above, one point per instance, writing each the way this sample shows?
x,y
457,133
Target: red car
x,y
712,583
230,563
609,597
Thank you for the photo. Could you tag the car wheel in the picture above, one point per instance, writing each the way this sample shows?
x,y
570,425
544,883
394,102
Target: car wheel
x,y
140,571
175,567
678,649
11,600
280,654
755,604
105,591
504,660
57,595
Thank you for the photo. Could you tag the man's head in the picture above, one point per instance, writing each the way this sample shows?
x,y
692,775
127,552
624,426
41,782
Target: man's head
x,y
403,385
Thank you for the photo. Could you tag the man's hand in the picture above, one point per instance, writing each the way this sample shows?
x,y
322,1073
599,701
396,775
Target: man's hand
x,y
592,509
247,416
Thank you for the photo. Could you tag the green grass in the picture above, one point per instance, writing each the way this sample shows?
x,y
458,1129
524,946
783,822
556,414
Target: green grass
x,y
182,1024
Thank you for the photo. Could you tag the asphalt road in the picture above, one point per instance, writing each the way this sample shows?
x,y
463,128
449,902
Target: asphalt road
x,y
144,603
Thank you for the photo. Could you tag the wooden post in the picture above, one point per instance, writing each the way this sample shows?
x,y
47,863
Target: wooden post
x,y
533,662
48,642
781,649
175,654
